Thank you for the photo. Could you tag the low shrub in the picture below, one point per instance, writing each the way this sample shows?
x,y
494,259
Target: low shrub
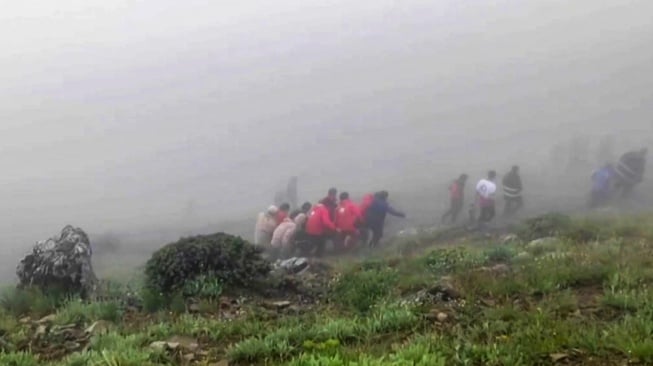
x,y
360,290
447,260
18,359
544,226
81,312
500,254
153,300
229,260
29,300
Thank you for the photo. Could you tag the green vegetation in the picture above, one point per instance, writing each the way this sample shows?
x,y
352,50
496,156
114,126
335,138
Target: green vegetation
x,y
582,297
205,263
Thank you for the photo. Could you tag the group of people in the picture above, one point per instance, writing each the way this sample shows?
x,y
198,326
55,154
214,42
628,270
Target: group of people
x,y
345,223
336,218
609,181
486,189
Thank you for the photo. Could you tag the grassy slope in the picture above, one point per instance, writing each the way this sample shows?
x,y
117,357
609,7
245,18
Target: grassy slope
x,y
582,298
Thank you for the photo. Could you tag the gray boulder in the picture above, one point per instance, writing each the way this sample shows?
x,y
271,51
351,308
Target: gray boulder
x,y
62,263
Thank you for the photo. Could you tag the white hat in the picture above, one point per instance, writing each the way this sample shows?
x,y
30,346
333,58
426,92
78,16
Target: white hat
x,y
272,210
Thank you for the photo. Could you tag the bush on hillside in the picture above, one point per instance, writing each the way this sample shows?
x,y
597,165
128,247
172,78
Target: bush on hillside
x,y
232,261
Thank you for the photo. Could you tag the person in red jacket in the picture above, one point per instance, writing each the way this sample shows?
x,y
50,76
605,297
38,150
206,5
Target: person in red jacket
x,y
318,228
364,231
331,202
456,195
348,218
284,209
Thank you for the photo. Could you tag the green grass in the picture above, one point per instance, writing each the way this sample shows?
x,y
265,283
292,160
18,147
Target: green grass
x,y
584,296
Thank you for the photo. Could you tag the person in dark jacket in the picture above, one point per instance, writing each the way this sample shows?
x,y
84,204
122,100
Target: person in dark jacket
x,y
331,202
456,195
375,216
512,192
630,170
301,238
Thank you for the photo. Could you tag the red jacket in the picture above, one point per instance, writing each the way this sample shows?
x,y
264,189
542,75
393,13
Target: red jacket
x,y
331,204
347,216
454,191
368,199
319,221
281,215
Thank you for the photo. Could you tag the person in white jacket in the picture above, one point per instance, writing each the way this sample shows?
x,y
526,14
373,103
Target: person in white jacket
x,y
266,223
485,192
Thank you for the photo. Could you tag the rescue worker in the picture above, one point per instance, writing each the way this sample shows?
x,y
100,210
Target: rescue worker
x,y
300,218
348,218
283,238
375,216
283,212
303,211
331,202
512,189
602,185
265,225
485,191
363,229
456,196
630,170
319,228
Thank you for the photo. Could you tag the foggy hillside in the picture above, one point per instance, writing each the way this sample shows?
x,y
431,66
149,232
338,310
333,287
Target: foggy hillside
x,y
161,118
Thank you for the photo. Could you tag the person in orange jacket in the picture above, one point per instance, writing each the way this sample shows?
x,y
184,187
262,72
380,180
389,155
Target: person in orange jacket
x,y
348,218
319,226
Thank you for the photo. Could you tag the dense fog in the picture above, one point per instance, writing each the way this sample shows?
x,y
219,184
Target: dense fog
x,y
154,119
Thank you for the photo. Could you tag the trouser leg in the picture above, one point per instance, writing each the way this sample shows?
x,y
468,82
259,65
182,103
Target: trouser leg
x,y
446,214
455,210
364,234
377,234
319,243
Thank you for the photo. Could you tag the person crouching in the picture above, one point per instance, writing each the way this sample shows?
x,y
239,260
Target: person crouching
x,y
265,226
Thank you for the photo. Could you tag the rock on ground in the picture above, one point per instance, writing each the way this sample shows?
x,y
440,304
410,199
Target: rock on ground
x,y
542,242
62,262
293,265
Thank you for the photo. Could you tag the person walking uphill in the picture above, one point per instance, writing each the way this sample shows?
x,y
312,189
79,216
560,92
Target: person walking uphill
x,y
319,226
375,216
348,218
512,189
602,184
456,196
630,170
485,191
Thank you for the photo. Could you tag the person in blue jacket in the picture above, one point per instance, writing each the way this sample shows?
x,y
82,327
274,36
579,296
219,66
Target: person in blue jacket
x,y
602,185
375,216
